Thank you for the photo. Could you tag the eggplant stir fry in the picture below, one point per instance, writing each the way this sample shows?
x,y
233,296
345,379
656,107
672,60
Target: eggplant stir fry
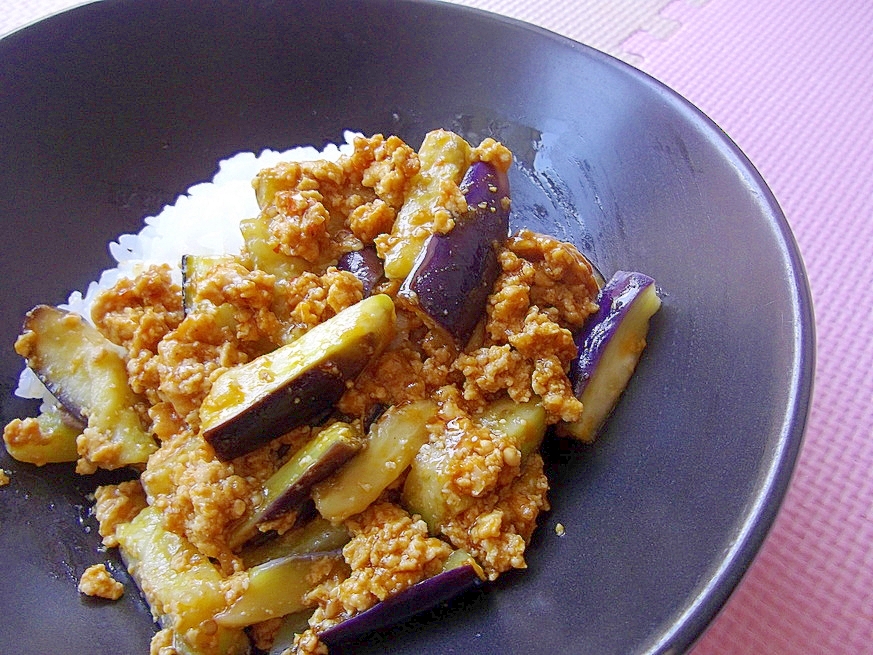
x,y
339,425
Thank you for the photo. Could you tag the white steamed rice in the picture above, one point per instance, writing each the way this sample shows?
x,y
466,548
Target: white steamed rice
x,y
204,221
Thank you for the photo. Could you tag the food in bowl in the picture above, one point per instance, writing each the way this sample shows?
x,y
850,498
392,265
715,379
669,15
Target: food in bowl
x,y
332,400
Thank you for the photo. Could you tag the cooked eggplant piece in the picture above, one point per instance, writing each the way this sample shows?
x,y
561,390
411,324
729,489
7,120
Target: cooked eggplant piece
x,y
258,243
276,588
425,491
194,269
610,344
523,423
227,642
454,272
317,536
461,574
88,375
182,586
50,438
392,443
427,485
365,265
292,625
444,158
290,485
299,383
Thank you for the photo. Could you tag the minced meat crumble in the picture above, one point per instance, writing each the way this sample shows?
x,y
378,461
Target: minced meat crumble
x,y
97,581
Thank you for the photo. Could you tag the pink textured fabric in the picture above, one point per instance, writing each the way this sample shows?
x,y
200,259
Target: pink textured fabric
x,y
792,83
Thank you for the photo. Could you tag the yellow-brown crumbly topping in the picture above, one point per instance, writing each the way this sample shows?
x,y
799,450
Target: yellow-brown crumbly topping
x,y
311,299
96,448
493,152
190,358
115,504
249,297
413,367
97,581
162,643
140,311
545,290
496,527
306,643
21,432
198,495
493,495
307,205
263,634
4,478
137,314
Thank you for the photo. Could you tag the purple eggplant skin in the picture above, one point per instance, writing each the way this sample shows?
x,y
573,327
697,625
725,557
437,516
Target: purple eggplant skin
x,y
307,400
298,384
365,265
454,273
420,597
610,344
614,300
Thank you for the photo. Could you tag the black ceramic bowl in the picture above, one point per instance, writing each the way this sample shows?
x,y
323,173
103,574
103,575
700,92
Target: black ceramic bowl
x,y
109,111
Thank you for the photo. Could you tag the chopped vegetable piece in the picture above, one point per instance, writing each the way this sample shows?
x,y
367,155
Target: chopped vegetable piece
x,y
292,624
523,423
317,536
420,597
426,489
365,265
445,157
290,485
88,375
610,345
454,272
251,404
50,438
460,558
194,269
182,586
256,235
226,641
276,588
391,446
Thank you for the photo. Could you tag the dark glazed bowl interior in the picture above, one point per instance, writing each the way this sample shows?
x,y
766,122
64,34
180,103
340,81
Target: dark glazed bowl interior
x,y
111,110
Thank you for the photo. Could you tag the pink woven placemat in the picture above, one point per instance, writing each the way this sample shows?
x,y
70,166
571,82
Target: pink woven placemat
x,y
792,83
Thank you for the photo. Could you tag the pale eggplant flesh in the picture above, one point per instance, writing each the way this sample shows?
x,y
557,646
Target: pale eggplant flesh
x,y
181,597
277,588
297,384
444,157
391,445
425,488
610,345
318,535
55,440
290,485
88,375
454,272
